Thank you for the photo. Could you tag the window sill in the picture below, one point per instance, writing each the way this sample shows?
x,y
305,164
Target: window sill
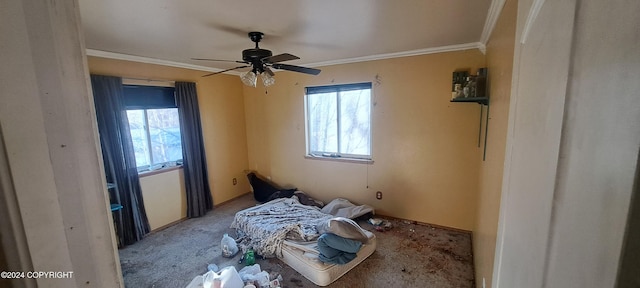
x,y
340,159
159,171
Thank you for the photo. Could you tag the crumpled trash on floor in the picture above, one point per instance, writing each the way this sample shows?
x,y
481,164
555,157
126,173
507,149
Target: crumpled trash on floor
x,y
229,277
380,225
213,267
253,275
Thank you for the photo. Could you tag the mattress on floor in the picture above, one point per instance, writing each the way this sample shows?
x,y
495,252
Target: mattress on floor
x,y
303,257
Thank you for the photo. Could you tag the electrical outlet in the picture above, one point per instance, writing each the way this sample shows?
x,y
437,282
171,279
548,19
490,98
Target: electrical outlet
x,y
235,181
378,195
484,283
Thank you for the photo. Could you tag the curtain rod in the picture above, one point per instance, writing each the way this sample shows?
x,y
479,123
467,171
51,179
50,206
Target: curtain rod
x,y
149,82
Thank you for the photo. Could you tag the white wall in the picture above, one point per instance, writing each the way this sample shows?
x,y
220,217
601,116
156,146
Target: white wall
x,y
533,142
52,174
599,146
572,145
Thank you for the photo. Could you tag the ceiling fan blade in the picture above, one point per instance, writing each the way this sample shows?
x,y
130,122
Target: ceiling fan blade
x,y
266,69
279,58
214,73
293,68
206,59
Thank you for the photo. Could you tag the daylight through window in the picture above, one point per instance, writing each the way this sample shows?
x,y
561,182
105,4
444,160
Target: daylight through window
x,y
339,121
155,126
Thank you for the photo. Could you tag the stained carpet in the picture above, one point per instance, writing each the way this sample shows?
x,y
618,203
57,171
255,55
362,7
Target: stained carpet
x,y
407,255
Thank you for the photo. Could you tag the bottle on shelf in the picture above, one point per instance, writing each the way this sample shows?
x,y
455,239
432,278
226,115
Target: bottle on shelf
x,y
458,81
469,89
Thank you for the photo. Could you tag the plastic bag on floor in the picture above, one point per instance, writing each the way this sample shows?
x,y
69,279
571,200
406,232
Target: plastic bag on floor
x,y
227,278
247,274
253,275
262,279
197,282
229,246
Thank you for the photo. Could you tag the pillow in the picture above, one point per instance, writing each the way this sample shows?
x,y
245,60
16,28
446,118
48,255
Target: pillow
x,y
340,207
343,227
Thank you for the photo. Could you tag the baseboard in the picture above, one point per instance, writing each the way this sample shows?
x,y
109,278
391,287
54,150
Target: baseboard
x,y
234,198
425,224
168,225
185,218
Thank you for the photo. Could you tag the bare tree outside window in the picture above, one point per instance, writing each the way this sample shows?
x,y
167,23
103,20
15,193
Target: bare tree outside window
x,y
339,120
137,126
323,122
355,128
156,136
164,128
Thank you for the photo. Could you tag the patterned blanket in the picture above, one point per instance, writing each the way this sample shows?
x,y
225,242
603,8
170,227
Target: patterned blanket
x,y
269,224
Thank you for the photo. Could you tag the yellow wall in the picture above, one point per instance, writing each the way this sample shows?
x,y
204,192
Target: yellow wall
x,y
164,197
424,147
500,63
223,124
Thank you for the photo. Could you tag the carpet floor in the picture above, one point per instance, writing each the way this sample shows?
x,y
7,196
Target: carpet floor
x,y
407,255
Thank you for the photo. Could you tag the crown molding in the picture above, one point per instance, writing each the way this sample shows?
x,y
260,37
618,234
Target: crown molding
x,y
492,17
531,18
147,60
442,49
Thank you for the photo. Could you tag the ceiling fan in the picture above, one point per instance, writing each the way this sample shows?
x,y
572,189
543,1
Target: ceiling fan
x,y
261,60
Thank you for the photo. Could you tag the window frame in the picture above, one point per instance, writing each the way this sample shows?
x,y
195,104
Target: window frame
x,y
143,105
147,130
344,157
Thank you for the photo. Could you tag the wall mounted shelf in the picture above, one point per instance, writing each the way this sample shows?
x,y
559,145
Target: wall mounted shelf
x,y
483,101
478,87
479,100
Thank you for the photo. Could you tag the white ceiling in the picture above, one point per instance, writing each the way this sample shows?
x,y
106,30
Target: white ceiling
x,y
319,32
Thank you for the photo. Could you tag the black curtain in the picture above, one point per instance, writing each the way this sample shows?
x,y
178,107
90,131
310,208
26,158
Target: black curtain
x,y
131,221
194,162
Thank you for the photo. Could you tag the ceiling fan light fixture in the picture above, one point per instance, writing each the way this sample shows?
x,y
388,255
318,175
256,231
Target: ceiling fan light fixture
x,y
267,79
260,60
249,78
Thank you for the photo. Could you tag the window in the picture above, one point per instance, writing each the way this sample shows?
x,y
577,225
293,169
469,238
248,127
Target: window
x,y
339,121
155,126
